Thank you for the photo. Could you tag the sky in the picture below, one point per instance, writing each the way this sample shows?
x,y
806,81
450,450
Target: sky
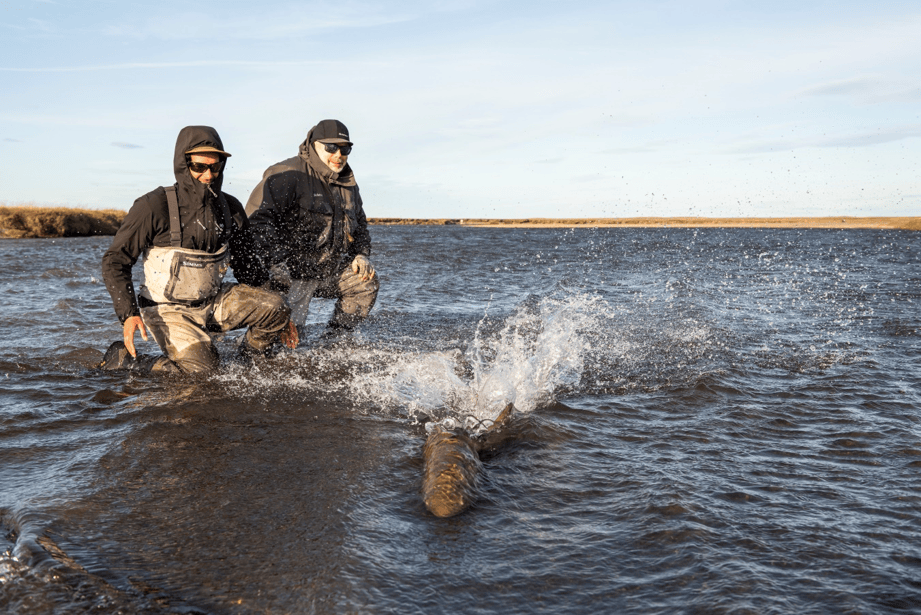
x,y
478,108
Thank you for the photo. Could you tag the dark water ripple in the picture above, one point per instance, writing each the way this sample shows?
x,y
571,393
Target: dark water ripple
x,y
710,421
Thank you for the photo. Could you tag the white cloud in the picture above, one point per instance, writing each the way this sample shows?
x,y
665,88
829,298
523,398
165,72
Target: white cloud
x,y
42,25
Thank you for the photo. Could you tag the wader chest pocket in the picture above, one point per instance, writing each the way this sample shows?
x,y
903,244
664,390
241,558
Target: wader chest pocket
x,y
194,277
179,275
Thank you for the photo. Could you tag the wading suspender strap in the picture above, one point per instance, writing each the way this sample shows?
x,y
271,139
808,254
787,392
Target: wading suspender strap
x,y
175,227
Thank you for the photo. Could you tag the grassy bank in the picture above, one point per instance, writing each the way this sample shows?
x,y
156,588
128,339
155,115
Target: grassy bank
x,y
31,221
27,221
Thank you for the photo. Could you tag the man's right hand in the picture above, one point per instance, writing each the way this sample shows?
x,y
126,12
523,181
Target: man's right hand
x,y
131,325
362,266
289,336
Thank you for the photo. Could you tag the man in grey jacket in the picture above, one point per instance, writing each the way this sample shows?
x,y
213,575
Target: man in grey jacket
x,y
308,234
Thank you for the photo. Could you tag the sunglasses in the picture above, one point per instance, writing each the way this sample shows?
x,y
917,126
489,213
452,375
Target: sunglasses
x,y
332,147
201,167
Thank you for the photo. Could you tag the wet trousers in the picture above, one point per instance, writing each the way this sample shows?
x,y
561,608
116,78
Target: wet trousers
x,y
184,333
355,297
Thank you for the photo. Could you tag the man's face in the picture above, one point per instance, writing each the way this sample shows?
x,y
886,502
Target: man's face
x,y
206,175
335,160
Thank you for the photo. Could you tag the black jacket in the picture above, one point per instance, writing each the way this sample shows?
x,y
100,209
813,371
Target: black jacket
x,y
305,215
147,222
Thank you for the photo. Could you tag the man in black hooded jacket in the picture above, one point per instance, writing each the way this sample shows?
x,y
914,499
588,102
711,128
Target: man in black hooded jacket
x,y
183,232
308,234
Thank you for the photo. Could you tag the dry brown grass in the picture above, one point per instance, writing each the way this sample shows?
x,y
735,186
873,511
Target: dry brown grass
x,y
25,221
909,223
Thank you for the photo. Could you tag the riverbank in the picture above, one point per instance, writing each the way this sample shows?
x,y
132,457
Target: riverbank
x,y
28,221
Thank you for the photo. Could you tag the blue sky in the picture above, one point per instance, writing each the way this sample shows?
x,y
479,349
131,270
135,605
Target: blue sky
x,y
470,108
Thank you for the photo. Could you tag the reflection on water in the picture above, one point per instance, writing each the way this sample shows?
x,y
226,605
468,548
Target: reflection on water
x,y
708,420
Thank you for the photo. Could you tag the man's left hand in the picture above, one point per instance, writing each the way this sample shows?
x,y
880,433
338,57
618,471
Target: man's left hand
x,y
363,267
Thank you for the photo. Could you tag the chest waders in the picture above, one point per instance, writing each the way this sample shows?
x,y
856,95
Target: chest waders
x,y
182,275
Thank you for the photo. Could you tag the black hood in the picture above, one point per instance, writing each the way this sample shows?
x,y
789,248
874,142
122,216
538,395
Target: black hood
x,y
308,154
190,191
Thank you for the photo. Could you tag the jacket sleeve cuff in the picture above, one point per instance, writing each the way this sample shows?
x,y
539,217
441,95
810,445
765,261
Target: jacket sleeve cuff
x,y
132,314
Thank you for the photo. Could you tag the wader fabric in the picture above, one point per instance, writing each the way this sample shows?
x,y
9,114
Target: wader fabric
x,y
182,331
355,297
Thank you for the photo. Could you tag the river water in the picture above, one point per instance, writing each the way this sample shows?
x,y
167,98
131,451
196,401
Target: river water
x,y
707,421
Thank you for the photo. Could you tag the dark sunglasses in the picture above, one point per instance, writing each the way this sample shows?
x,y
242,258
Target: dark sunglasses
x,y
201,167
332,147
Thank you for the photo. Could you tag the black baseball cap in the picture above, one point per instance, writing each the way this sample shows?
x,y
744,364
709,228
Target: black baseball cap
x,y
331,131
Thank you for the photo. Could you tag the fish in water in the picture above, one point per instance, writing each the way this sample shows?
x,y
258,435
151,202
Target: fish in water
x,y
452,467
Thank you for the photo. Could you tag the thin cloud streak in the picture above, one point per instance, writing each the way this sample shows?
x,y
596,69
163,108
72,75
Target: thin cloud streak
x,y
123,145
646,148
160,65
856,140
846,87
867,89
284,22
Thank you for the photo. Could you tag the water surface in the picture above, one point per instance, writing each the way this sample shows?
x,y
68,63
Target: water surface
x,y
709,420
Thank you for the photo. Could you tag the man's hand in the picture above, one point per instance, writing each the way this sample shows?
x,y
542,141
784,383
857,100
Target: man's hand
x,y
289,337
363,267
131,325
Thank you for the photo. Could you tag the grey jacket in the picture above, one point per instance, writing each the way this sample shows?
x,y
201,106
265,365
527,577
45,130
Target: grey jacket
x,y
305,216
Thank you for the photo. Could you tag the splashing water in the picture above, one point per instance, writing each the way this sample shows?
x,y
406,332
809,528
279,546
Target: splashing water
x,y
534,352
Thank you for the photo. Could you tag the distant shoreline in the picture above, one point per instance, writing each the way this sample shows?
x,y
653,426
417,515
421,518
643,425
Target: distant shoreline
x,y
26,221
833,222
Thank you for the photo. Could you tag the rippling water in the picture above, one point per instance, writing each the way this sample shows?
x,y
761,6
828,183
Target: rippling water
x,y
708,421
